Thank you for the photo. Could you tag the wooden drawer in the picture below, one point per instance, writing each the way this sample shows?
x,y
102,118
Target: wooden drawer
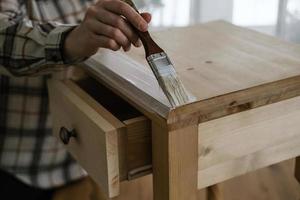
x,y
113,139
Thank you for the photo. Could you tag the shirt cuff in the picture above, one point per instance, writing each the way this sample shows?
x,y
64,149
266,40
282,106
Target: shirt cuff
x,y
54,50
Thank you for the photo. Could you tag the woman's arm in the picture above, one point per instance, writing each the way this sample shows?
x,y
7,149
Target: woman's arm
x,y
28,48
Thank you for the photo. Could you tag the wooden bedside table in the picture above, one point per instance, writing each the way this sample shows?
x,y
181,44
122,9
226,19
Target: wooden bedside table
x,y
246,114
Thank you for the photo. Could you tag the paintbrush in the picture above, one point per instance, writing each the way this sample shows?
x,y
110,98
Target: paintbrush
x,y
163,69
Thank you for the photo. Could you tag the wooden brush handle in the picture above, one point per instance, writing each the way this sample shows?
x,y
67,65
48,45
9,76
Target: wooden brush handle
x,y
150,46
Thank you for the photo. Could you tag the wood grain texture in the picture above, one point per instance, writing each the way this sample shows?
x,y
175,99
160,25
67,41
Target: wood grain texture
x,y
225,58
229,69
297,169
175,163
243,142
95,146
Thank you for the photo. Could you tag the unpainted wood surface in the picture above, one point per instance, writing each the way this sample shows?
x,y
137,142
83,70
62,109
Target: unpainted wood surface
x,y
213,60
96,144
175,163
243,142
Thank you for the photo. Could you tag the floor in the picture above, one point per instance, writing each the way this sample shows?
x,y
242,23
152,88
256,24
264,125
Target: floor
x,y
273,183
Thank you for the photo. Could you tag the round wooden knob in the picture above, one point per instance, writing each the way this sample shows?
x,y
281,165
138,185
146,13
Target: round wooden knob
x,y
65,135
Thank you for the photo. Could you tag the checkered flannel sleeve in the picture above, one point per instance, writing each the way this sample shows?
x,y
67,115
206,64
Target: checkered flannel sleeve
x,y
28,47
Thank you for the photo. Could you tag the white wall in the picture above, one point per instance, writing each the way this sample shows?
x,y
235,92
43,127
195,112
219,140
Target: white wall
x,y
214,10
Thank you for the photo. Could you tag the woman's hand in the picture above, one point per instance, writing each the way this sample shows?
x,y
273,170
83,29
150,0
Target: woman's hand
x,y
105,26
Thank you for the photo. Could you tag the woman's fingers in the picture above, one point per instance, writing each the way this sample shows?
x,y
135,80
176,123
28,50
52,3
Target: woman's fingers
x,y
118,22
114,33
147,17
121,8
106,42
107,24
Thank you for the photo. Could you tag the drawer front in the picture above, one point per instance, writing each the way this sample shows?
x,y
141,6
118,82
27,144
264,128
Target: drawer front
x,y
112,140
95,146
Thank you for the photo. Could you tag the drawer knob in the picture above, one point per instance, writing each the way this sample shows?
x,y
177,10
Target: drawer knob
x,y
65,135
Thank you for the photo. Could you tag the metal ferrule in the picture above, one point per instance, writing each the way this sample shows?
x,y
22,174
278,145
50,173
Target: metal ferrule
x,y
161,64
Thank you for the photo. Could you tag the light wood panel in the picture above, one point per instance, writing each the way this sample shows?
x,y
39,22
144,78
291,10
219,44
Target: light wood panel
x,y
229,69
240,143
218,58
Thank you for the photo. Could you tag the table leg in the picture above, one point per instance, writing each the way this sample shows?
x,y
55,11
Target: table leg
x,y
215,192
297,169
175,163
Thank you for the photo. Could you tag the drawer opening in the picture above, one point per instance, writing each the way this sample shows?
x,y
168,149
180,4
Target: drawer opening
x,y
108,99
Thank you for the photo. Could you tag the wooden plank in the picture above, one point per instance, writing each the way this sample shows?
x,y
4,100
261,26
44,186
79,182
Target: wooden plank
x,y
240,143
95,146
174,163
225,58
225,68
297,169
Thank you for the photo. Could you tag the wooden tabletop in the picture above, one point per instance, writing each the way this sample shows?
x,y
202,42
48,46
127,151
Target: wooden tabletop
x,y
227,68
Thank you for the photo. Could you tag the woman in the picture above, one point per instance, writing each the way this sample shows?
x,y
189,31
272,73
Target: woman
x,y
38,37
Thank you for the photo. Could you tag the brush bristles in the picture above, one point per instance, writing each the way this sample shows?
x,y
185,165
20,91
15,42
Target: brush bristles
x,y
168,80
174,90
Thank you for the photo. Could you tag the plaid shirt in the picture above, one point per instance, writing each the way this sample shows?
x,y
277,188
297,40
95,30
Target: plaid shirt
x,y
32,33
